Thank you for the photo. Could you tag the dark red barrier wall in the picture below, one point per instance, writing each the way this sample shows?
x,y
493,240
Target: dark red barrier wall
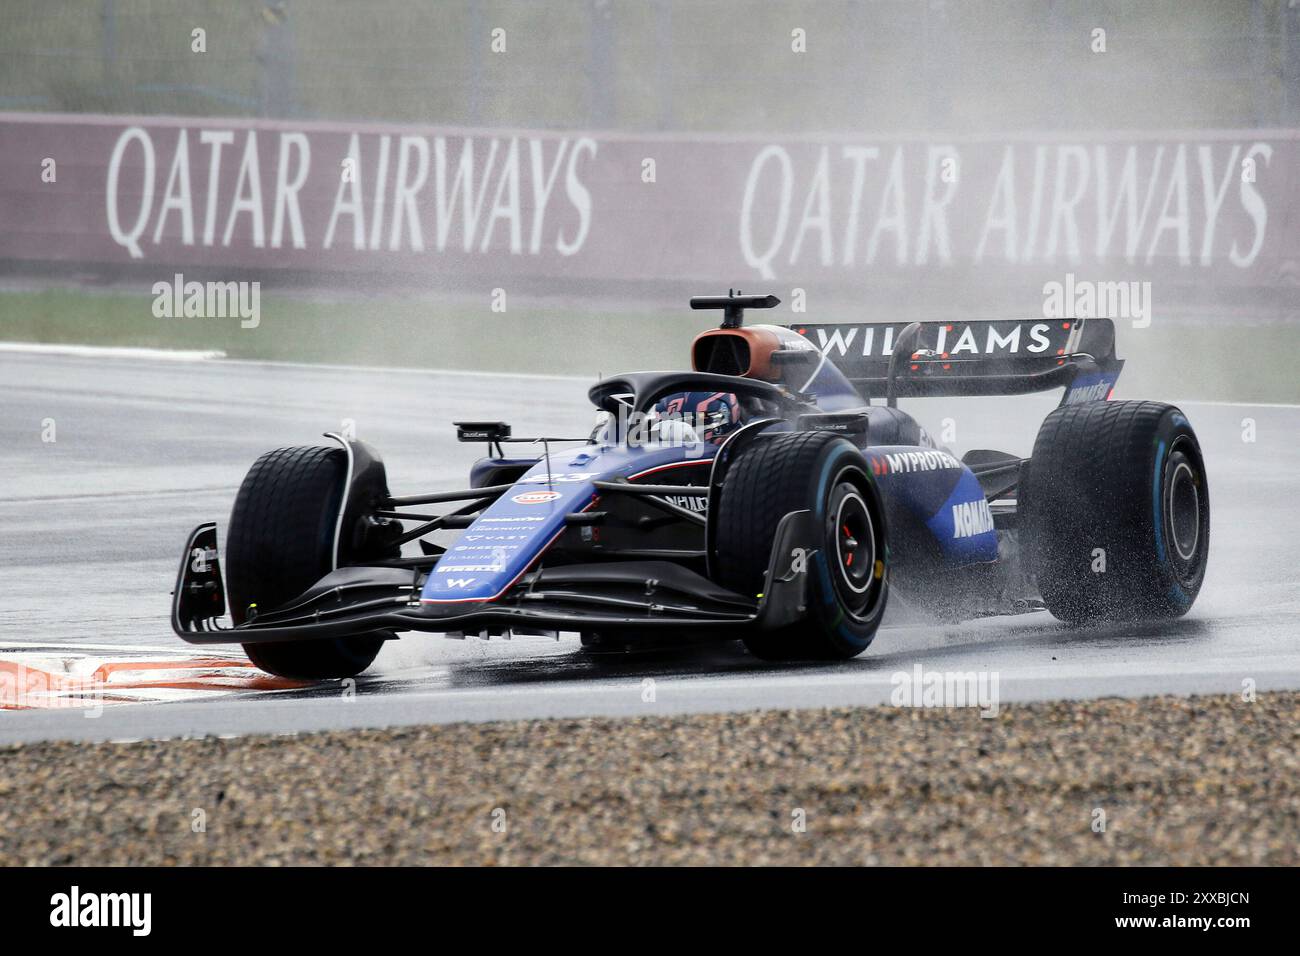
x,y
1197,210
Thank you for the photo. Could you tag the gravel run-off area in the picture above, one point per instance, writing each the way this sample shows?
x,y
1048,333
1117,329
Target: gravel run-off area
x,y
1205,780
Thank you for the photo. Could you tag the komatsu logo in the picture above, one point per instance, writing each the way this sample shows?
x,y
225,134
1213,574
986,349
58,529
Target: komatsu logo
x,y
971,518
1088,393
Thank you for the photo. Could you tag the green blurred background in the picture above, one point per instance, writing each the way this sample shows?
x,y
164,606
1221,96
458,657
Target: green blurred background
x,y
871,65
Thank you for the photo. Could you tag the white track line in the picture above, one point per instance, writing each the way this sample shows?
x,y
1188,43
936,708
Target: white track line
x,y
182,355
186,650
107,351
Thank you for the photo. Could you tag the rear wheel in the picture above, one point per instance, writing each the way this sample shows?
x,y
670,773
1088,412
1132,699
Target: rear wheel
x,y
827,475
280,542
1116,507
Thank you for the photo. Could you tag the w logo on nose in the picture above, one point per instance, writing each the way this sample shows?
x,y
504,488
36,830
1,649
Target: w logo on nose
x,y
460,582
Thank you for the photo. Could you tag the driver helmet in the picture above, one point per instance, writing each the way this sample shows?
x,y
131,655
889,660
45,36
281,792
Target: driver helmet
x,y
710,416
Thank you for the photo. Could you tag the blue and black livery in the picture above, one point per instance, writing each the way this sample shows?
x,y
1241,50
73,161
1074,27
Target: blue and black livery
x,y
775,493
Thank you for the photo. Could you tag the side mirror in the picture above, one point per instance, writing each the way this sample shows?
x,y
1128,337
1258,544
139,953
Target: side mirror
x,y
494,433
481,431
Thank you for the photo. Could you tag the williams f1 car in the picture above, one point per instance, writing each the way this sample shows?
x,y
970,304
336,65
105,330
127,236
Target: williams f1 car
x,y
775,494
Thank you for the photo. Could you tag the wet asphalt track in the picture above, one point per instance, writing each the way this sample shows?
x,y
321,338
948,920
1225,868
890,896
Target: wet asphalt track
x,y
91,526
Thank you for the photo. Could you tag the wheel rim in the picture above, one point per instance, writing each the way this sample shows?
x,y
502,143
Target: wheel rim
x,y
1183,510
853,548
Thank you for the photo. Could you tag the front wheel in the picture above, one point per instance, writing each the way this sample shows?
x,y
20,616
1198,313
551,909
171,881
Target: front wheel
x,y
827,475
1116,506
281,542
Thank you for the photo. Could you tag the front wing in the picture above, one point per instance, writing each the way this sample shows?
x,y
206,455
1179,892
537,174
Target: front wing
x,y
605,595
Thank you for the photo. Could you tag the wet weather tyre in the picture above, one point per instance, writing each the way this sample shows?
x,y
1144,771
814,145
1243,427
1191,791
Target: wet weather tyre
x,y
280,542
848,586
1116,508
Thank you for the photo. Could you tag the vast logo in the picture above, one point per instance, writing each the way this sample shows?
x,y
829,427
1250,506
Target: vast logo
x,y
558,478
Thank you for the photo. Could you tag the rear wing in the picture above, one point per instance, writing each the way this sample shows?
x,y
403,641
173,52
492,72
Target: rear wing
x,y
995,357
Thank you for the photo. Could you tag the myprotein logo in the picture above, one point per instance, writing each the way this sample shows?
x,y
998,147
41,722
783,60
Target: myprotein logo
x,y
130,910
908,462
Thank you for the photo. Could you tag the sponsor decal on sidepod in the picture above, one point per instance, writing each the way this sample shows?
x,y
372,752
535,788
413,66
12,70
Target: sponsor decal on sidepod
x,y
971,518
908,462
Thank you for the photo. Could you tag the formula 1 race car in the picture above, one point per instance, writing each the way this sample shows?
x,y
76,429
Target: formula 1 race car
x,y
762,496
